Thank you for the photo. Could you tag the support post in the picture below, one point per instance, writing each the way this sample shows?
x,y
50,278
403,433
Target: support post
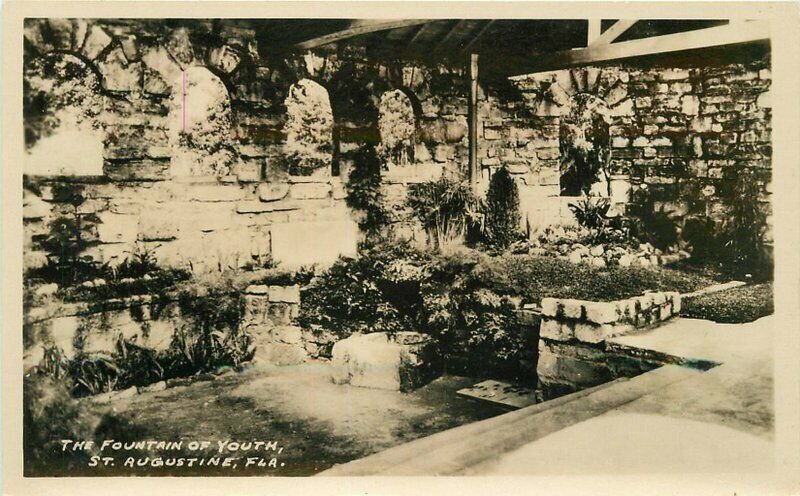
x,y
473,120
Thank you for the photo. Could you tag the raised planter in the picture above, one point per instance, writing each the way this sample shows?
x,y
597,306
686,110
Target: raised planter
x,y
572,335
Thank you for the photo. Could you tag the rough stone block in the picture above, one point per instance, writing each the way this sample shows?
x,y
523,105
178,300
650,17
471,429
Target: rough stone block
x,y
555,330
601,312
287,334
378,361
269,192
572,309
310,191
560,369
549,307
96,41
284,294
593,333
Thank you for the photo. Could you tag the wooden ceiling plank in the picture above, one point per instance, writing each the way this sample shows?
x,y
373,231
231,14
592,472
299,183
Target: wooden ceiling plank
x,y
357,28
615,31
688,40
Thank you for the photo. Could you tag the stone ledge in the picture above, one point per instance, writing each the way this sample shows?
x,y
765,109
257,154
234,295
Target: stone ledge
x,y
637,311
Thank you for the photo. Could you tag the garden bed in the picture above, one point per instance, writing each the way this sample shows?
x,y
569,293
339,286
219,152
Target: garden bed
x,y
732,306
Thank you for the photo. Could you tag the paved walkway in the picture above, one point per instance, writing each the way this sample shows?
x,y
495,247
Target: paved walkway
x,y
722,419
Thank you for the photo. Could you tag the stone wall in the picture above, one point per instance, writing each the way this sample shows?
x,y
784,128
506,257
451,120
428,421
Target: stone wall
x,y
680,134
572,335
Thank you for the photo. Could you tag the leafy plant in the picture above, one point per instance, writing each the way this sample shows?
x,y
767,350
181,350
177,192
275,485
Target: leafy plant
x,y
210,334
655,225
68,237
376,292
94,374
501,225
584,143
744,228
50,414
591,212
446,208
364,191
136,365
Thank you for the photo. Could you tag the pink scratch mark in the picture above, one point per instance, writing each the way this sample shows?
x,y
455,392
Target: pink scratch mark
x,y
183,101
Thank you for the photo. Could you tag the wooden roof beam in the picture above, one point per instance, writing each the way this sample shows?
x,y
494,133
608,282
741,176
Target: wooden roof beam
x,y
475,39
357,28
729,34
615,31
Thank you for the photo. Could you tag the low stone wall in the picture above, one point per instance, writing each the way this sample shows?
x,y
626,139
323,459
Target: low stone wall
x,y
96,328
269,317
572,334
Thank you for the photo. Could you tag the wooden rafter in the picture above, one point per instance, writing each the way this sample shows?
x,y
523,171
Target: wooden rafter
x,y
615,31
689,40
447,37
478,36
593,31
357,28
420,33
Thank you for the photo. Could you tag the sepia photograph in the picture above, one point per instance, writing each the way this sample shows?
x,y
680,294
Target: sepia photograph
x,y
354,246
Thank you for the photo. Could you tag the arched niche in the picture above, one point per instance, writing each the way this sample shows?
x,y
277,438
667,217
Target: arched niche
x,y
308,129
200,125
61,106
397,125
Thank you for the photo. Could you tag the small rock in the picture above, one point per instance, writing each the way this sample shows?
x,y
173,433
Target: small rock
x,y
46,289
625,260
156,386
597,251
598,262
575,257
125,393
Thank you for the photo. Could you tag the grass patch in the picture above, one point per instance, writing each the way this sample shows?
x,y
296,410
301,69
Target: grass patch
x,y
533,278
737,305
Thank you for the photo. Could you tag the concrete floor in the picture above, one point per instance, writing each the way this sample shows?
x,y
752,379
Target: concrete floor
x,y
720,420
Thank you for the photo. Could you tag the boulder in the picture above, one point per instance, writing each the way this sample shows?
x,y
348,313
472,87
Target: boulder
x,y
402,362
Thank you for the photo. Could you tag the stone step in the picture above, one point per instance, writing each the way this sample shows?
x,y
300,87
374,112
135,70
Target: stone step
x,y
380,461
489,439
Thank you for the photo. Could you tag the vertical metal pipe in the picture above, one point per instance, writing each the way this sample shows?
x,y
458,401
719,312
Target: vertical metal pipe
x,y
473,119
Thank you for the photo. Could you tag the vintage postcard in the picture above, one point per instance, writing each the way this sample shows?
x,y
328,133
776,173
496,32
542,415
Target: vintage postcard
x,y
520,246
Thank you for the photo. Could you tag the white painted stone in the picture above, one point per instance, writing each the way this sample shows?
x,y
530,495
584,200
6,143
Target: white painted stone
x,y
287,334
96,41
310,191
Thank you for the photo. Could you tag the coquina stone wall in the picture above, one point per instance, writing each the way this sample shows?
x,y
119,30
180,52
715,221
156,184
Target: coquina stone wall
x,y
104,110
573,333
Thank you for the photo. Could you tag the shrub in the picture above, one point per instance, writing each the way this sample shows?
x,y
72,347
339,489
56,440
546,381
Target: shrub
x,y
209,334
376,292
446,208
744,228
50,414
657,226
364,191
501,226
68,237
737,305
591,213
